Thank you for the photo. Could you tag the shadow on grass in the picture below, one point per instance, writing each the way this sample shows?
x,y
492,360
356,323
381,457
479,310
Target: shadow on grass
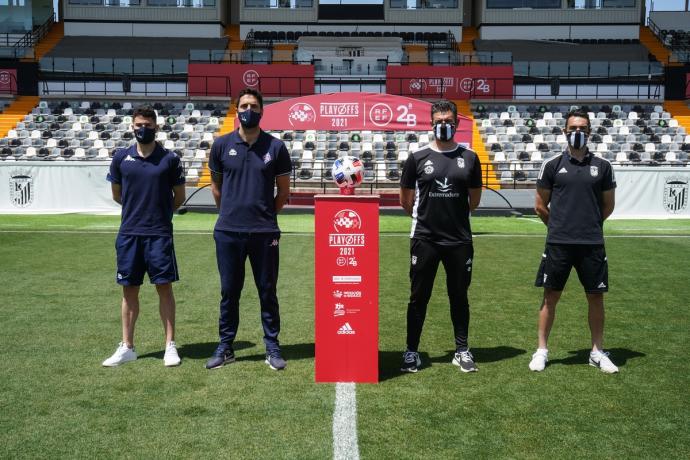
x,y
389,361
619,356
290,352
198,350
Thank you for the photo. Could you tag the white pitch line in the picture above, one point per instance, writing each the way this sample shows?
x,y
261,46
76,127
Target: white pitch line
x,y
345,423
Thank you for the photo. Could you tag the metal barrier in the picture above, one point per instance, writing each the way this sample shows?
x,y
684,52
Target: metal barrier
x,y
114,66
681,53
588,69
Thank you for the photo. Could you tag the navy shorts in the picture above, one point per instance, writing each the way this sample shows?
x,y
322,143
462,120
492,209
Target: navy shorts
x,y
137,255
589,261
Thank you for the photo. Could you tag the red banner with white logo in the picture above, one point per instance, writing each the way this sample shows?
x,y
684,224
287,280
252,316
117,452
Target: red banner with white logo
x,y
346,288
356,111
8,81
273,80
451,82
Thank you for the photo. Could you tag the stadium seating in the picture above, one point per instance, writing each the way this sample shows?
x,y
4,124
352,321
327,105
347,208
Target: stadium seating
x,y
84,130
628,134
517,137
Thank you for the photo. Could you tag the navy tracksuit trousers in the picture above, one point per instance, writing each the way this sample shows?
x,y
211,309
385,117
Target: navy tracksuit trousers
x,y
232,250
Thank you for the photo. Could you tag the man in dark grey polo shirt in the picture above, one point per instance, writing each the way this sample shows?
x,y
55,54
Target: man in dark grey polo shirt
x,y
575,194
246,165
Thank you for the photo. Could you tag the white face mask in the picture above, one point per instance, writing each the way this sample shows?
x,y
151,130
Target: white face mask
x,y
577,139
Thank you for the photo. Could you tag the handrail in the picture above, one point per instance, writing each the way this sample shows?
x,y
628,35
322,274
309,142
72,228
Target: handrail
x,y
682,53
32,37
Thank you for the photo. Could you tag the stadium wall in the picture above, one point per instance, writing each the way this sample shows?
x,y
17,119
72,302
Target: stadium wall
x,y
145,22
679,20
555,31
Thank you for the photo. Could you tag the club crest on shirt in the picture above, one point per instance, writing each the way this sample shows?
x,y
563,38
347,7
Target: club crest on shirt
x,y
428,167
594,171
461,162
267,157
232,152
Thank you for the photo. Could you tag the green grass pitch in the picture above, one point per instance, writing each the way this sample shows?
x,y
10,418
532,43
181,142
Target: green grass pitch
x,y
59,318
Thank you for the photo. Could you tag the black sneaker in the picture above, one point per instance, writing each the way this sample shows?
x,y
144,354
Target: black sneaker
x,y
411,362
275,361
465,361
222,356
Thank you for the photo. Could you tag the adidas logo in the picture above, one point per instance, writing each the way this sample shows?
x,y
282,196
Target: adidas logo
x,y
428,163
562,171
128,158
601,285
346,329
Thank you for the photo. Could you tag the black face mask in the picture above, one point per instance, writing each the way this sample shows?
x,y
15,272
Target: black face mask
x,y
249,118
577,139
444,131
145,135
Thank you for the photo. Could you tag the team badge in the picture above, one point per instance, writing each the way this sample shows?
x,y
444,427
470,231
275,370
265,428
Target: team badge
x,y
676,194
594,171
461,162
21,189
232,152
267,157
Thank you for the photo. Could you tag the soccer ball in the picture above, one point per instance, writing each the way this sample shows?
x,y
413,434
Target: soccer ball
x,y
348,171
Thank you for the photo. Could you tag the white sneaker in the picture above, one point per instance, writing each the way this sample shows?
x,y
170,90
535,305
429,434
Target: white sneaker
x,y
539,359
171,358
601,360
122,355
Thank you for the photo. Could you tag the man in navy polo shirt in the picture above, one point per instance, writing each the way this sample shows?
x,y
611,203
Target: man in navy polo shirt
x,y
148,181
246,165
575,194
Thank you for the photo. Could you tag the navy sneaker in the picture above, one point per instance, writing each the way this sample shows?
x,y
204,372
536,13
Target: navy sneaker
x,y
465,361
222,356
411,362
275,361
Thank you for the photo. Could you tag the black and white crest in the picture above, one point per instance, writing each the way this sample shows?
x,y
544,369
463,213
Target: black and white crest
x,y
594,171
676,194
461,162
21,189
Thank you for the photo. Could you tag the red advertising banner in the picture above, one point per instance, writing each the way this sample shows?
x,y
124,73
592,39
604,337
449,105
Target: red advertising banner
x,y
8,81
356,111
273,80
451,82
346,288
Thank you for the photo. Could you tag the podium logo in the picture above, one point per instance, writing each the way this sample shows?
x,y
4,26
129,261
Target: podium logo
x,y
347,221
346,329
339,309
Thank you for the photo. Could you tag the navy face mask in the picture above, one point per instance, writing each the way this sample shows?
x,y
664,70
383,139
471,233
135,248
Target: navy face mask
x,y
444,131
145,135
249,118
577,139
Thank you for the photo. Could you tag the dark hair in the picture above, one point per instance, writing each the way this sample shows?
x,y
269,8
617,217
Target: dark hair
x,y
580,114
252,92
145,111
444,106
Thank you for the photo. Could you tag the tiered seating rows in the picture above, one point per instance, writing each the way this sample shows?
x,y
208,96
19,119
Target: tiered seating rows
x,y
520,137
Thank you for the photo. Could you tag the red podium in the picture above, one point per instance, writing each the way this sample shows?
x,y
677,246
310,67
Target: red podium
x,y
347,288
